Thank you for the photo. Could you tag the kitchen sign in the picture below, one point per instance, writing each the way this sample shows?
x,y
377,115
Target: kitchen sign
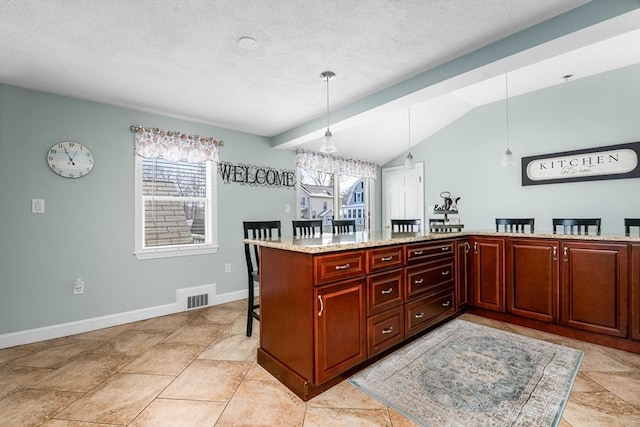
x,y
600,163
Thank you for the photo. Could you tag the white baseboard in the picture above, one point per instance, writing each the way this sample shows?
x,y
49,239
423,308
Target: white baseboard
x,y
87,325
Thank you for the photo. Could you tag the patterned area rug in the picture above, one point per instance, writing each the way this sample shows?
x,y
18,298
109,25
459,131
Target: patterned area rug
x,y
464,374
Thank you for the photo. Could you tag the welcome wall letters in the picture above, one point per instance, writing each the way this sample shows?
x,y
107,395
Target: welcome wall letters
x,y
263,176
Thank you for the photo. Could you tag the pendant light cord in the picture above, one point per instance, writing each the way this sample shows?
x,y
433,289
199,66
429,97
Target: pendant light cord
x,y
327,78
506,87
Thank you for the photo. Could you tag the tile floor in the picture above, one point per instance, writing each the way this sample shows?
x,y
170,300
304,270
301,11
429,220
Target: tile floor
x,y
199,369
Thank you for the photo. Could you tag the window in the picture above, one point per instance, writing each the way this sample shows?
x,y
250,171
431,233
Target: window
x,y
175,208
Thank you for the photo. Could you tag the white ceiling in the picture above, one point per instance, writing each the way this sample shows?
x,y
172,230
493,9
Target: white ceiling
x,y
181,58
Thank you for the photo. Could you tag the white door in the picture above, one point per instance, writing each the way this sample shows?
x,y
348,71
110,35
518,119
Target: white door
x,y
402,194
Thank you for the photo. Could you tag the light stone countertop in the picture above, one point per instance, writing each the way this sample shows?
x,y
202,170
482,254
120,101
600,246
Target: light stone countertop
x,y
362,240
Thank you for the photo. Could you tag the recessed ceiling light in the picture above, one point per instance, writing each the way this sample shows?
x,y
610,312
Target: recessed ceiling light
x,y
248,43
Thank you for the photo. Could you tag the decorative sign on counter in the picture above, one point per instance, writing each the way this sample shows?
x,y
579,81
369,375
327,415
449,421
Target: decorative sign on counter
x,y
610,162
263,176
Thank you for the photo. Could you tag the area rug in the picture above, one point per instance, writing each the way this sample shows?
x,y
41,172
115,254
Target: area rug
x,y
465,374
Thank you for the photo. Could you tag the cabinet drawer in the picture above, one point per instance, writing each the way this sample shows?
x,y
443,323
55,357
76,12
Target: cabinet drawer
x,y
428,278
422,313
419,252
385,258
385,330
344,265
384,291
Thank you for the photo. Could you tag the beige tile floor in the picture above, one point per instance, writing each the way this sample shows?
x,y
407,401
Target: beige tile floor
x,y
199,369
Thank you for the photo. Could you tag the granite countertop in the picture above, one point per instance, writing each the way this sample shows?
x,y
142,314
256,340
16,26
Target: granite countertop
x,y
361,240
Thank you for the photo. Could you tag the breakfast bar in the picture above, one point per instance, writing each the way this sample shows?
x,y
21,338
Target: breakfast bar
x,y
330,305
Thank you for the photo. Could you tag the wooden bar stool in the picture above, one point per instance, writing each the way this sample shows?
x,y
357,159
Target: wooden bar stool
x,y
577,225
341,226
515,225
307,228
256,230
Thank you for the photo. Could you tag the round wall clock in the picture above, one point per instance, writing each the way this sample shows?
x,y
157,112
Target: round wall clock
x,y
70,159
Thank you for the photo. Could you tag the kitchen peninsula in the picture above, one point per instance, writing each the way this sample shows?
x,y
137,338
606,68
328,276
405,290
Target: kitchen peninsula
x,y
332,304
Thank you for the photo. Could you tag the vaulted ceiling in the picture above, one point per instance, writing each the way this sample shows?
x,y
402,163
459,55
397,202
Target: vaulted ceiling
x,y
183,59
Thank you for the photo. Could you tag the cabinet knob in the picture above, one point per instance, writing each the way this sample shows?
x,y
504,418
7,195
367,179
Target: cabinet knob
x,y
446,304
418,281
418,315
418,252
444,273
387,330
445,248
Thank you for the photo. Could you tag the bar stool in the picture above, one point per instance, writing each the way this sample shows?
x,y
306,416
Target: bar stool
x,y
515,225
255,230
307,228
406,225
577,225
631,222
341,226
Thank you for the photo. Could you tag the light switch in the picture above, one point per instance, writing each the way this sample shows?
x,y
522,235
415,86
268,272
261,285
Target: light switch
x,y
37,206
287,208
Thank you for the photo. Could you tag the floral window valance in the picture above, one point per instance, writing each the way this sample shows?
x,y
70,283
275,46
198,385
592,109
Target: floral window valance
x,y
322,162
175,146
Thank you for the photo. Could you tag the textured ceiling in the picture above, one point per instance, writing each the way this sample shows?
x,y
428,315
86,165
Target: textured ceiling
x,y
181,58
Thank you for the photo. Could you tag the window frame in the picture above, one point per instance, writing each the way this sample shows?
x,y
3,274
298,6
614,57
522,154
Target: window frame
x,y
211,215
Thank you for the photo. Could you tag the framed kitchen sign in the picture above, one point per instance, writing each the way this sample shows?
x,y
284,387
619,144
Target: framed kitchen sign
x,y
592,164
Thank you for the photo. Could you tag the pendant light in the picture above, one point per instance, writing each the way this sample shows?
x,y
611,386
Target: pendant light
x,y
507,159
408,162
327,145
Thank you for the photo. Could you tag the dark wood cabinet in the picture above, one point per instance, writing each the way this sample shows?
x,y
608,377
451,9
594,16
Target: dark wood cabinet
x,y
634,277
463,256
488,273
532,271
595,287
340,328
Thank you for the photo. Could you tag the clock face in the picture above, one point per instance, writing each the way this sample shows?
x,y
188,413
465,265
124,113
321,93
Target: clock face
x,y
70,159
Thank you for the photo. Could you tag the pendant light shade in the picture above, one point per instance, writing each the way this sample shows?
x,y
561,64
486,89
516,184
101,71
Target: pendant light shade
x,y
327,145
507,159
408,162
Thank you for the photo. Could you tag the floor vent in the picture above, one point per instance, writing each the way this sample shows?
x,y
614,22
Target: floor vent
x,y
195,297
195,301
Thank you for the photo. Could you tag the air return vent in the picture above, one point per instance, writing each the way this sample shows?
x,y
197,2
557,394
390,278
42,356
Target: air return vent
x,y
196,297
195,301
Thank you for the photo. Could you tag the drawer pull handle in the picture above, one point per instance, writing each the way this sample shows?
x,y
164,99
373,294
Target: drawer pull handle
x,y
386,258
445,248
444,273
446,304
418,252
321,306
418,281
343,267
419,315
387,330
386,291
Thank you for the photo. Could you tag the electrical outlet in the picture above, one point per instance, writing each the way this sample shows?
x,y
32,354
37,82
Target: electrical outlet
x,y
227,267
78,286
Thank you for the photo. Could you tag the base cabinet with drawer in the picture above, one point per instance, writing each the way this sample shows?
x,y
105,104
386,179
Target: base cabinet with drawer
x,y
324,314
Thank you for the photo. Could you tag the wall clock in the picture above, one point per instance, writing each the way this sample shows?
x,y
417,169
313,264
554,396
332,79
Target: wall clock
x,y
70,159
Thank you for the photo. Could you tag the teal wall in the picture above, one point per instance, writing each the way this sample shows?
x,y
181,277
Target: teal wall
x,y
87,229
464,158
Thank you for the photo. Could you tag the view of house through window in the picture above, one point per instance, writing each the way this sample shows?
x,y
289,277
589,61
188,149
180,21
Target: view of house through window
x,y
176,204
329,196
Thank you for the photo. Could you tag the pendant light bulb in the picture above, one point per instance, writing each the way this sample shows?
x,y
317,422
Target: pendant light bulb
x,y
408,162
327,145
508,159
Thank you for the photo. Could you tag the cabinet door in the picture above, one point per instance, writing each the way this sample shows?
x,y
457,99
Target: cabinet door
x,y
463,248
634,273
595,286
340,328
532,279
488,273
